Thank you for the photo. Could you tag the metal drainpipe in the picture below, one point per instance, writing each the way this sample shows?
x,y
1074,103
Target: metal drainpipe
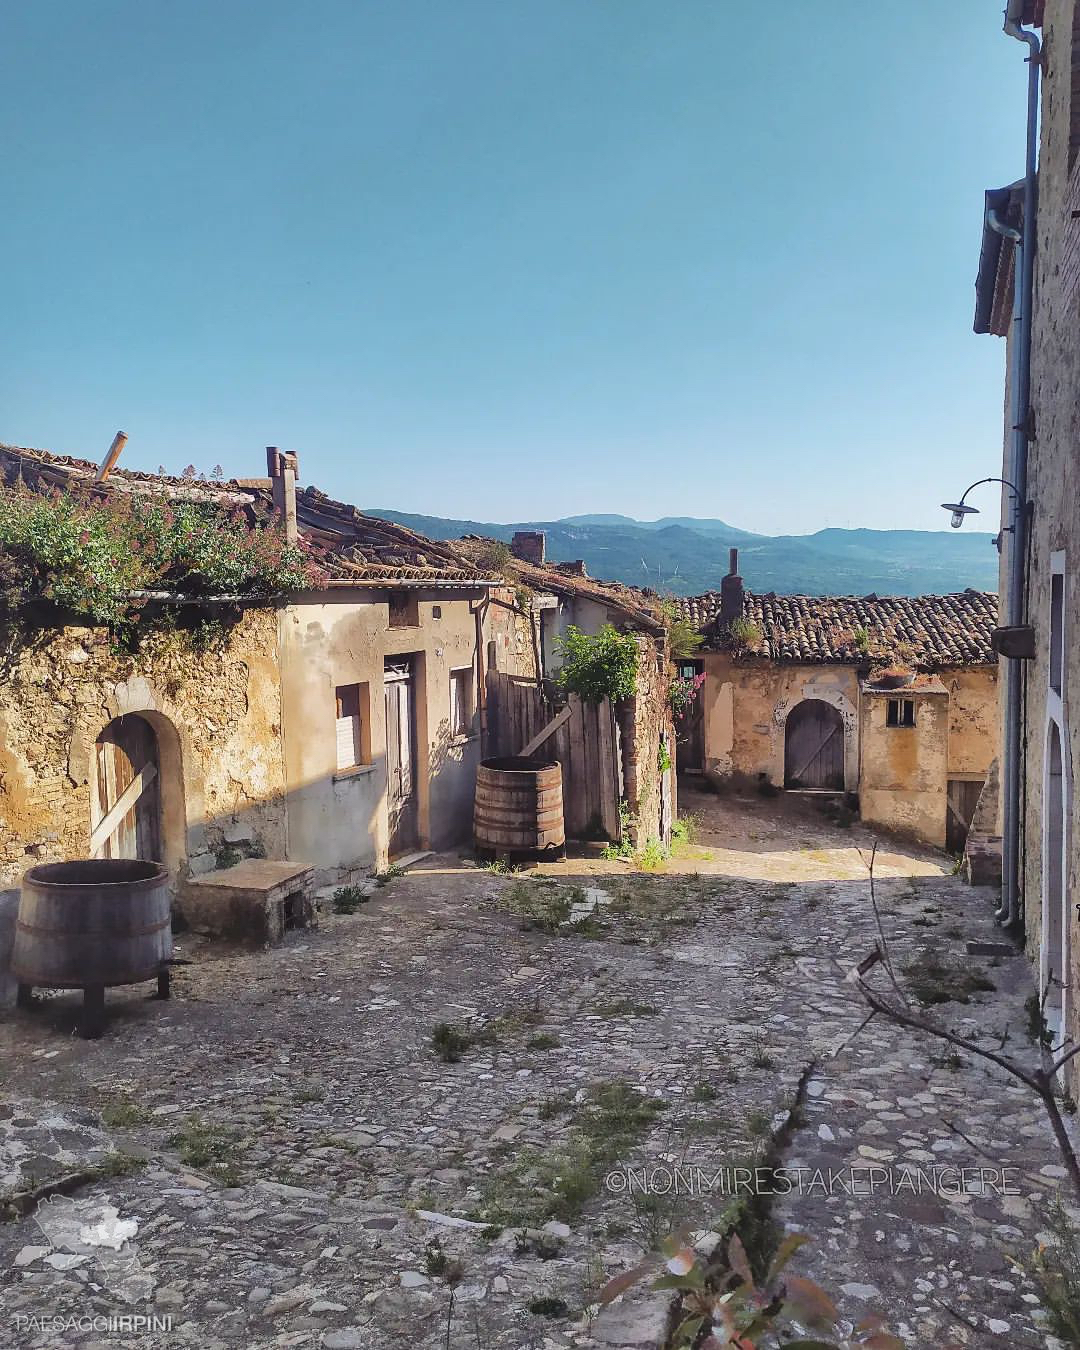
x,y
1019,406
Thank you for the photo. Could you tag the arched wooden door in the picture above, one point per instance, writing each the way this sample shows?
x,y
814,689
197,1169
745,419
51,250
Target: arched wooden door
x,y
127,801
814,747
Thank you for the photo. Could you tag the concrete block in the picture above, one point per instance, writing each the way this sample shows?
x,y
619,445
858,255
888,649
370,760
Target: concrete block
x,y
255,901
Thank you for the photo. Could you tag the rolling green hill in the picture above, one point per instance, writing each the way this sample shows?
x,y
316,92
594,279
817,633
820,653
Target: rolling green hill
x,y
688,556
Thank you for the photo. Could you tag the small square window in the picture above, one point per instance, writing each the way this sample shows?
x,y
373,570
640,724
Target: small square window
x,y
900,712
351,726
404,611
461,702
436,611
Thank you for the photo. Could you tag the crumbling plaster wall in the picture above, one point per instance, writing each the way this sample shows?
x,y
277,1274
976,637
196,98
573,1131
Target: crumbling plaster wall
x,y
512,634
974,722
903,781
746,707
218,718
338,821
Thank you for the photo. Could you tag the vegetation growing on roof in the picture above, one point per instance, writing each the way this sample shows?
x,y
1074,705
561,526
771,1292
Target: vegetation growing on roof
x,y
598,666
96,555
745,634
683,637
494,556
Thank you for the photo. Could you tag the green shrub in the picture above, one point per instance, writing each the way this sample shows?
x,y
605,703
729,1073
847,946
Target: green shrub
x,y
98,554
598,666
651,855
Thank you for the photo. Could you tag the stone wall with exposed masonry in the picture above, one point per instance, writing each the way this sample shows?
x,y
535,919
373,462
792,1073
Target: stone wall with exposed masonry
x,y
217,717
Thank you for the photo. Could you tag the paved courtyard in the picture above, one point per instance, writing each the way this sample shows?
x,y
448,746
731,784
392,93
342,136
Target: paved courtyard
x,y
429,1122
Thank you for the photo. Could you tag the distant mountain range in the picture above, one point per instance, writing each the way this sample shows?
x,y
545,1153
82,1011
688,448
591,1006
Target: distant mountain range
x,y
685,556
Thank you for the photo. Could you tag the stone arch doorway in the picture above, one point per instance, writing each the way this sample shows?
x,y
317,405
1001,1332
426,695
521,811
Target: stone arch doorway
x,y
1055,918
814,747
126,815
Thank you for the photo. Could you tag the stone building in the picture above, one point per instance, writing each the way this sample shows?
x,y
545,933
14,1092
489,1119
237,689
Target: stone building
x,y
1043,406
336,728
637,759
890,700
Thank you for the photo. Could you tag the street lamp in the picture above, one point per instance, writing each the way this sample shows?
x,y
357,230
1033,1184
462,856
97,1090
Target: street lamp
x,y
961,509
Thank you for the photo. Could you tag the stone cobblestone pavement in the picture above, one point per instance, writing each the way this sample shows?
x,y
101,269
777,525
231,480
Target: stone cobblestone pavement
x,y
305,1170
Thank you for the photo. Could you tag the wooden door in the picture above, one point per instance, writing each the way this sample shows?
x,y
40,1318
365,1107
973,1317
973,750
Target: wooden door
x,y
127,816
690,730
963,798
814,747
400,758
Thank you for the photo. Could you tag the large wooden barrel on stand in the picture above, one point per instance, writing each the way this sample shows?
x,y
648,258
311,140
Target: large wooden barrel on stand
x,y
93,923
518,813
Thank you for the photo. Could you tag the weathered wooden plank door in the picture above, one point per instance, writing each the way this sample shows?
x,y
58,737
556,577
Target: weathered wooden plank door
x,y
814,747
690,730
586,745
962,800
127,818
400,758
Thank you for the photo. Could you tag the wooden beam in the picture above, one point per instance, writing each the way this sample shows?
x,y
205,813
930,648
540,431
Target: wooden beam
x,y
108,824
964,824
111,456
541,736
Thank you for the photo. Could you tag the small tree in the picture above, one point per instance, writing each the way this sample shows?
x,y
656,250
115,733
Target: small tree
x,y
598,666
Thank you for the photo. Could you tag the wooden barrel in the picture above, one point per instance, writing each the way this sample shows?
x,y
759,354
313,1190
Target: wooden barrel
x,y
91,923
518,811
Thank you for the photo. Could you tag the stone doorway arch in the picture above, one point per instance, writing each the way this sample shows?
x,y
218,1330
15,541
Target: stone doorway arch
x,y
142,736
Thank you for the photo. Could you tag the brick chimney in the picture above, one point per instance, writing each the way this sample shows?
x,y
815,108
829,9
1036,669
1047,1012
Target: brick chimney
x,y
282,466
529,546
731,591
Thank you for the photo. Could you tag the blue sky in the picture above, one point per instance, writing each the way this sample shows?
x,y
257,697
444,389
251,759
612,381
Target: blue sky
x,y
514,259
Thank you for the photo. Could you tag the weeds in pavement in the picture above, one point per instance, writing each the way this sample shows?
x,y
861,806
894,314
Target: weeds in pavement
x,y
348,899
557,1183
208,1148
934,981
122,1114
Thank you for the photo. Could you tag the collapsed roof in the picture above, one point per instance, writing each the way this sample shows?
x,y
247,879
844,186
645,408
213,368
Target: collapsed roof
x,y
638,608
349,546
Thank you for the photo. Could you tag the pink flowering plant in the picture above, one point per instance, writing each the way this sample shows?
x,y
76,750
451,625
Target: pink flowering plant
x,y
683,692
97,555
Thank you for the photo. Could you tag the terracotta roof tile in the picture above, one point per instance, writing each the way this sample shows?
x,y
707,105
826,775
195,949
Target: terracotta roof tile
x,y
940,630
348,545
639,607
